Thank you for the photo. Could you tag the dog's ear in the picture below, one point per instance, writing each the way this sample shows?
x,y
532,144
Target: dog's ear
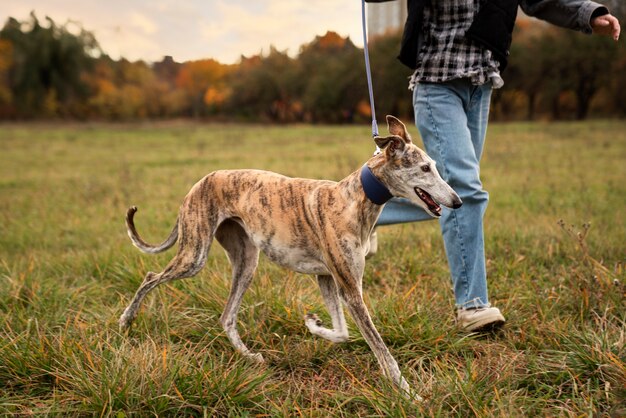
x,y
390,144
396,127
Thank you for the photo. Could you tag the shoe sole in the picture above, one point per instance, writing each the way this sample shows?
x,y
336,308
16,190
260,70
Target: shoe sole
x,y
486,324
489,327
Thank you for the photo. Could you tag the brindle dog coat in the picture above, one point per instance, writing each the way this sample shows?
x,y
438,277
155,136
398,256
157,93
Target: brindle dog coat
x,y
310,226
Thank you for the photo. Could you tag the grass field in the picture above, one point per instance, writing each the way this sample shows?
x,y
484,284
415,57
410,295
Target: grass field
x,y
67,270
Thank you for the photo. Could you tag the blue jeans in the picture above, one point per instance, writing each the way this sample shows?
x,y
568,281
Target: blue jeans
x,y
452,120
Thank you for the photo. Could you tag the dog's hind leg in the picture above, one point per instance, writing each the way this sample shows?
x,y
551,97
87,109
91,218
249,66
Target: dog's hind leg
x,y
329,291
192,253
244,257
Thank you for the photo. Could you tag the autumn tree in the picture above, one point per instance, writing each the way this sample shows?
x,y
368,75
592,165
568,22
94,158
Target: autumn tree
x,y
167,70
127,90
203,83
557,69
617,85
266,86
530,72
6,63
586,62
390,77
48,64
332,68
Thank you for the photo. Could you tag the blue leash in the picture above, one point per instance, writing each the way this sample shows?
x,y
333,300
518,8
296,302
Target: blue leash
x,y
368,72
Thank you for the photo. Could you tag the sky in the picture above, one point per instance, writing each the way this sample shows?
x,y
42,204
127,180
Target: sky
x,y
196,29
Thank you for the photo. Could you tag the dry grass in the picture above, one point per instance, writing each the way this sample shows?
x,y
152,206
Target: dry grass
x,y
67,270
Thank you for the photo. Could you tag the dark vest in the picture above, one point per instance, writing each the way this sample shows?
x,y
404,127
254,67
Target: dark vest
x,y
492,28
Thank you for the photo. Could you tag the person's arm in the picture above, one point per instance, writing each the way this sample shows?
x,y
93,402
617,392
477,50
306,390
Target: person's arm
x,y
582,15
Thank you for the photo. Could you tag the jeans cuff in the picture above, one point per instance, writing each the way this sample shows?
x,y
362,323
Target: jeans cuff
x,y
474,304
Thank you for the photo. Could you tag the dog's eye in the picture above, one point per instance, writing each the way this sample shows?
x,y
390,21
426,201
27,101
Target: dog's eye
x,y
426,168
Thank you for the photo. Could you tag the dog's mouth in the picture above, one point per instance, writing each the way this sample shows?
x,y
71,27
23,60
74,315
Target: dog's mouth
x,y
433,206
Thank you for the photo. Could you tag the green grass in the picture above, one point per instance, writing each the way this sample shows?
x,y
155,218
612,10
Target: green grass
x,y
67,270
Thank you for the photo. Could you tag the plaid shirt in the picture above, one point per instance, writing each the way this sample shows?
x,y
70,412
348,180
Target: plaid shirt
x,y
446,53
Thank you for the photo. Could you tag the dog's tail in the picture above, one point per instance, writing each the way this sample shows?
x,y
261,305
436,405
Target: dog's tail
x,y
140,243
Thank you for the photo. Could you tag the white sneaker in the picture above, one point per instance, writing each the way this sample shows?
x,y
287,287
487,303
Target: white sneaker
x,y
479,319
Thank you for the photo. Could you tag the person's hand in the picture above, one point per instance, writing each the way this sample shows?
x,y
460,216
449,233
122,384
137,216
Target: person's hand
x,y
606,25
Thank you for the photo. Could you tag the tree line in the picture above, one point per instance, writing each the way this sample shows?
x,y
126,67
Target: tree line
x,y
58,71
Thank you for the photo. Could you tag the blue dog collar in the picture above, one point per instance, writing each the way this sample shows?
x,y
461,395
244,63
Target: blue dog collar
x,y
374,189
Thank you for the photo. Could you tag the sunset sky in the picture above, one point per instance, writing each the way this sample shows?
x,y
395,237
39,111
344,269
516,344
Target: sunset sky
x,y
194,29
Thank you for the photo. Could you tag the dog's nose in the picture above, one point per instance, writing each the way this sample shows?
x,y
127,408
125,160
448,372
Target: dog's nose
x,y
457,203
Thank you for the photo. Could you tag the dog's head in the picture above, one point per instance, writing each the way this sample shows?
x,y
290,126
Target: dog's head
x,y
409,172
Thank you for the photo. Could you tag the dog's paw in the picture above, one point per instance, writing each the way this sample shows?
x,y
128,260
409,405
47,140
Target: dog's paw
x,y
314,324
124,323
408,392
313,317
255,357
311,320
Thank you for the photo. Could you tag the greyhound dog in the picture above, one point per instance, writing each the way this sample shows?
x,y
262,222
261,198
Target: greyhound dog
x,y
310,226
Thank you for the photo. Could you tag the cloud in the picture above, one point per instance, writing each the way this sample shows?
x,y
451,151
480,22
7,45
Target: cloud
x,y
143,23
287,25
195,29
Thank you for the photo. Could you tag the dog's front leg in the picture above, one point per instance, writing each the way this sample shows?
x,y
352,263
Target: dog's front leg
x,y
388,364
329,291
350,289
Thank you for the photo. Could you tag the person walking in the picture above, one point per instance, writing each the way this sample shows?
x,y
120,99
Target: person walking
x,y
458,50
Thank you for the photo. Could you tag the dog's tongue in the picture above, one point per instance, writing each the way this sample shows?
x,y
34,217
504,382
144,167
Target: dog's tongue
x,y
430,202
